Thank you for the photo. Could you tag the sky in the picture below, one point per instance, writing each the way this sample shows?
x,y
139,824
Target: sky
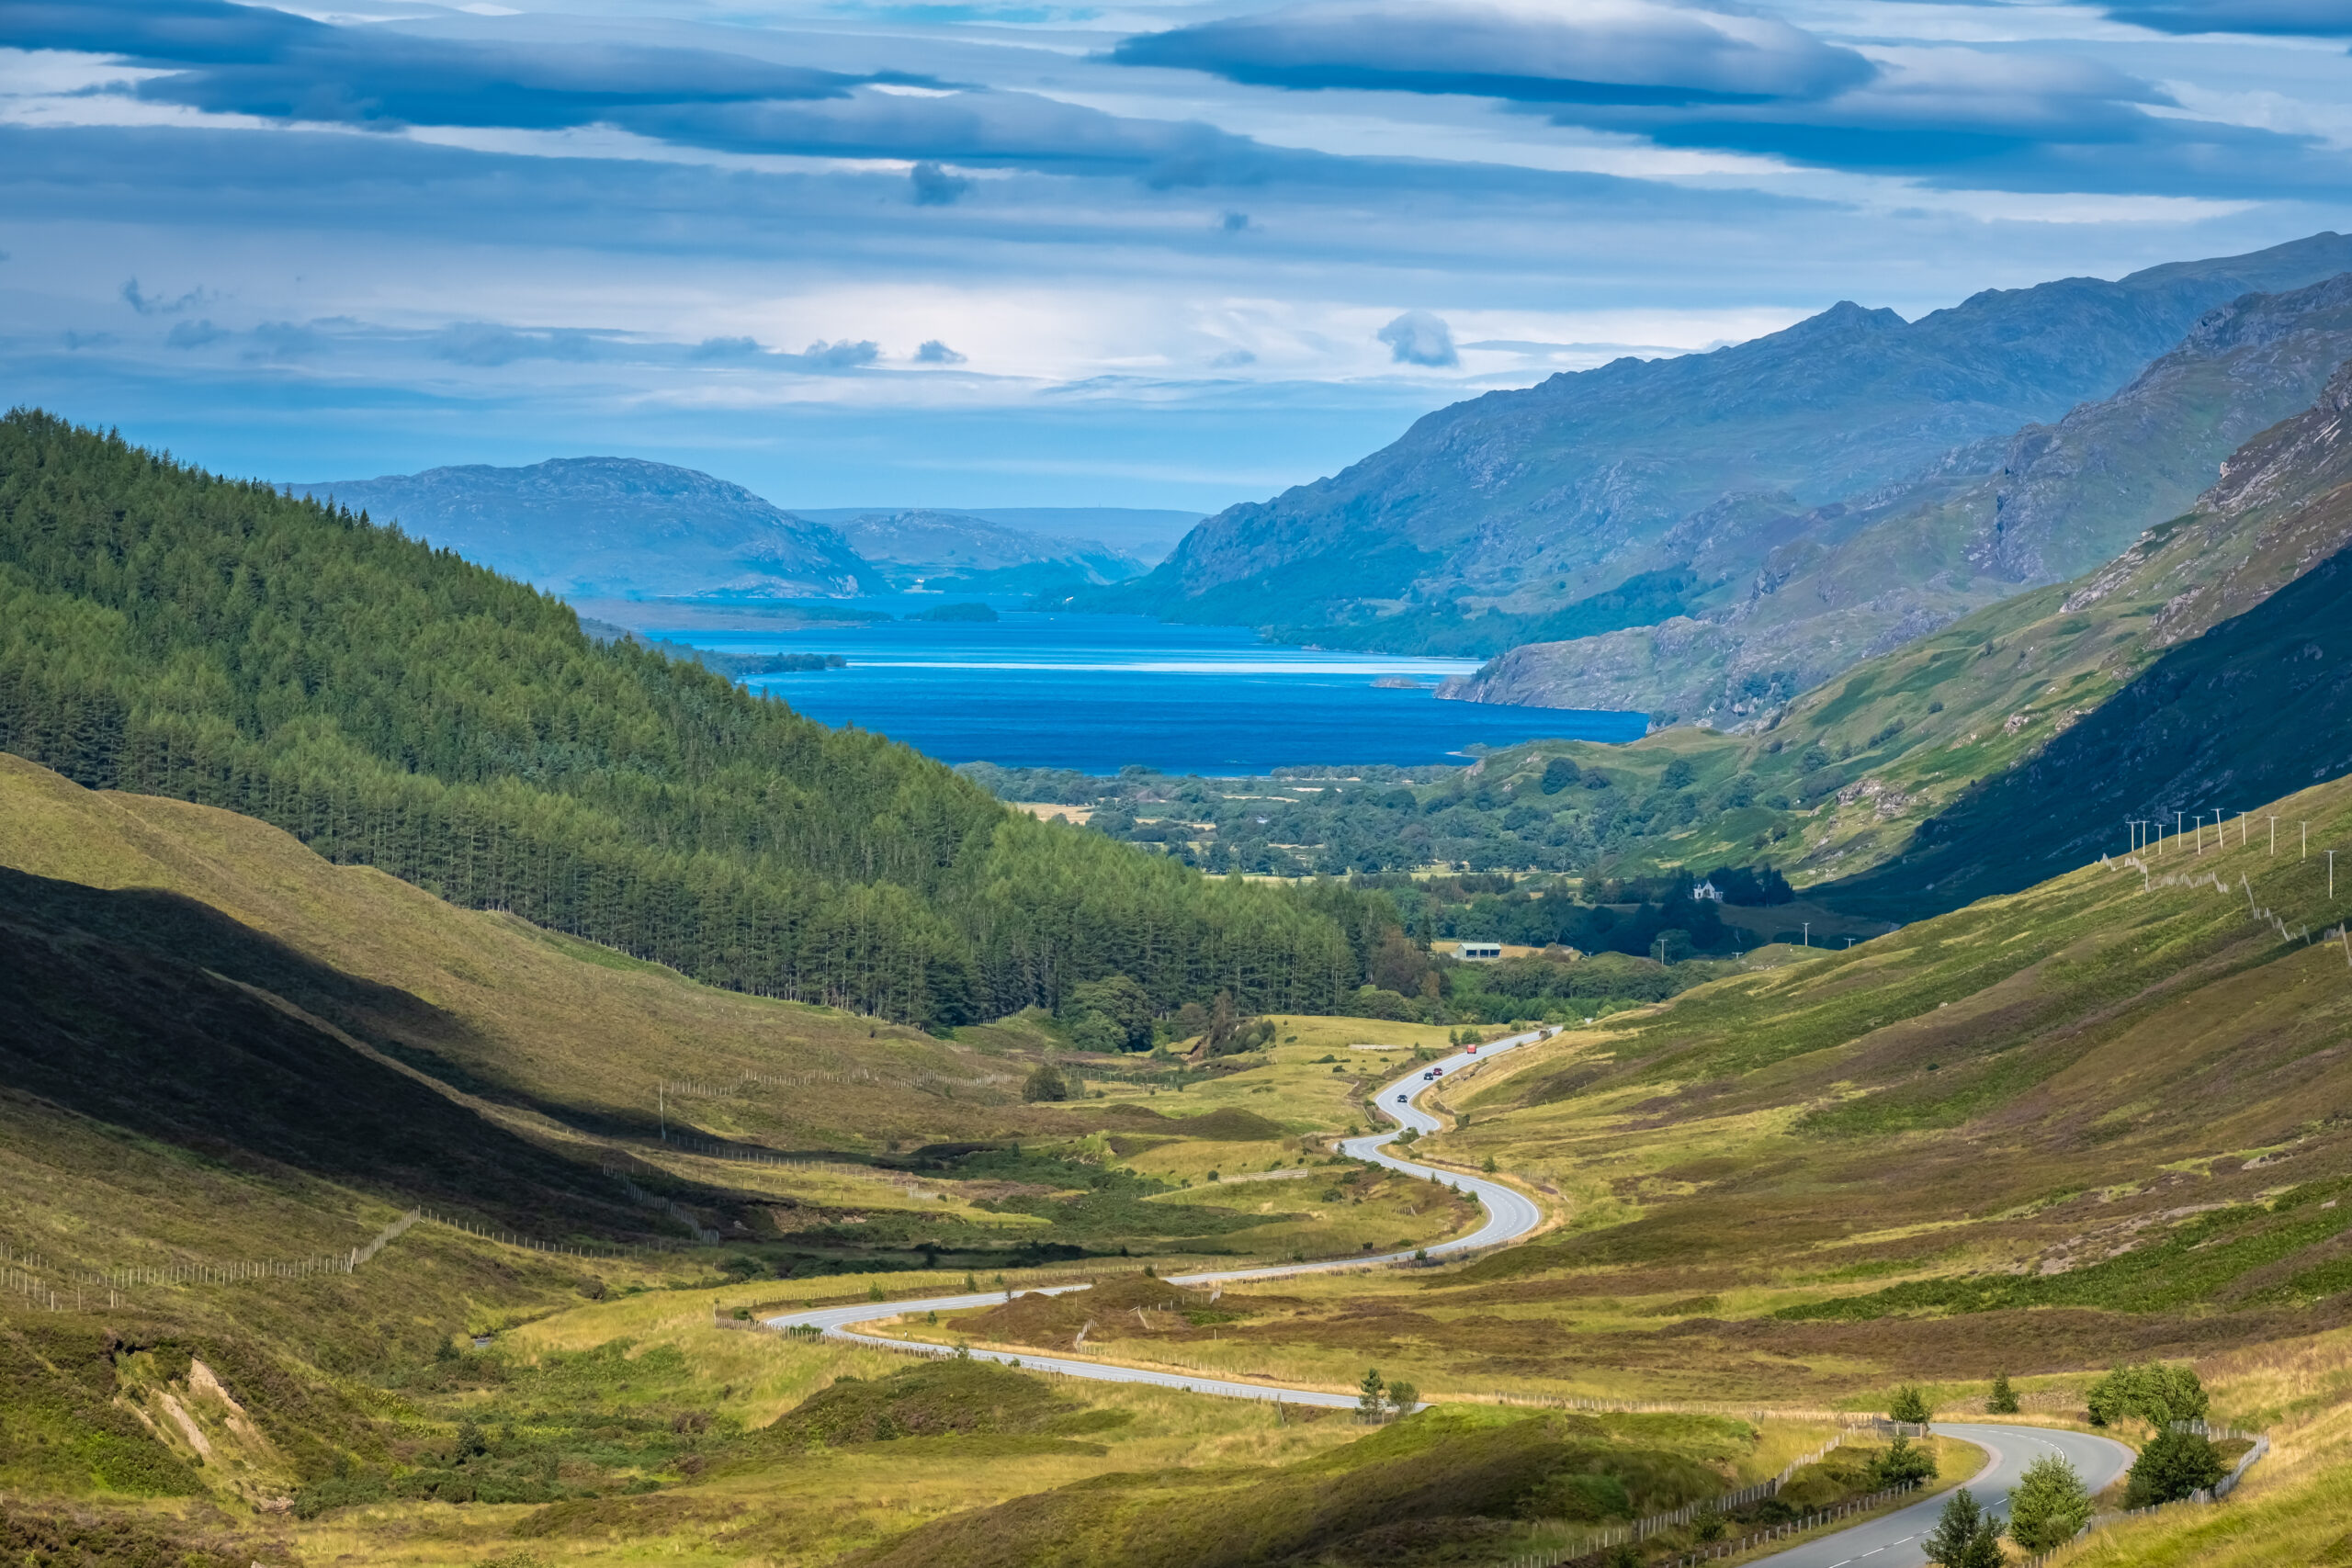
x,y
1016,252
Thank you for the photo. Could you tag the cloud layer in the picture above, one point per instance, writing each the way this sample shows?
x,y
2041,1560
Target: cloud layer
x,y
1184,255
1607,51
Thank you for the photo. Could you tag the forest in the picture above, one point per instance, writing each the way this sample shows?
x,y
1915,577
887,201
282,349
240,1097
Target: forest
x,y
170,632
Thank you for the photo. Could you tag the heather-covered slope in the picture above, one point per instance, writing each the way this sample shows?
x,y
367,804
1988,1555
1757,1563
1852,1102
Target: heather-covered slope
x,y
2233,711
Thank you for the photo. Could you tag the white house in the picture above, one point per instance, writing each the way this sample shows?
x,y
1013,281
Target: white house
x,y
1480,951
1706,890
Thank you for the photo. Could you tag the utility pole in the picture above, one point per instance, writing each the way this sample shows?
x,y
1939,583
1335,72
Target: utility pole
x,y
2331,876
2274,835
2307,840
2241,829
1808,932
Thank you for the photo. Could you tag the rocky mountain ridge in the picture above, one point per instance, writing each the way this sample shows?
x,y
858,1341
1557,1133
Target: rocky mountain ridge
x,y
1523,501
1847,582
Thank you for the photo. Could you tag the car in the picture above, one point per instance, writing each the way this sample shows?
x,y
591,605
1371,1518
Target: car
x,y
1437,1072
1400,1099
1471,1052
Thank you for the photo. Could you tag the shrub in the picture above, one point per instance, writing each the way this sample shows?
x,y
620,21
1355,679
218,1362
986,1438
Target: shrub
x,y
2173,1465
2050,1506
2003,1400
1046,1084
1909,1406
2154,1393
1900,1463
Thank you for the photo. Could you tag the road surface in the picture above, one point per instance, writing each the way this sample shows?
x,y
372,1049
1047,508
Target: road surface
x,y
1893,1539
1510,1215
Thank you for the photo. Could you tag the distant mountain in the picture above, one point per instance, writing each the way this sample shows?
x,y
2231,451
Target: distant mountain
x,y
1529,502
958,552
1138,532
615,527
1840,583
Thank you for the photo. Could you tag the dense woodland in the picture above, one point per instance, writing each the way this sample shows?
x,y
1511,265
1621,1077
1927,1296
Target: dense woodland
x,y
167,631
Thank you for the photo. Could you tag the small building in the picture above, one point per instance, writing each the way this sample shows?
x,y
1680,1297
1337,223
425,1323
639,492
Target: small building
x,y
1480,951
1704,891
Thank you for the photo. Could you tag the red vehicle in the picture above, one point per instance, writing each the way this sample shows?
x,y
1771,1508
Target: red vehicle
x,y
1472,1051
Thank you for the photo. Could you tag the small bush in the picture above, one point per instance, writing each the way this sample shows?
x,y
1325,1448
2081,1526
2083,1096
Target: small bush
x,y
1046,1084
1900,1463
2173,1465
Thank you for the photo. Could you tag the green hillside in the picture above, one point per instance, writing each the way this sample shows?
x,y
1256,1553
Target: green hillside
x,y
166,631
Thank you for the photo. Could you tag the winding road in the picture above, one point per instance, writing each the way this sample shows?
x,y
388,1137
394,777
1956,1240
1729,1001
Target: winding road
x,y
1891,1540
1510,1215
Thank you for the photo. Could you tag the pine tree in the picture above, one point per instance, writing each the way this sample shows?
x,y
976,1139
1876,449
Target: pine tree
x,y
1956,1530
2050,1506
2003,1400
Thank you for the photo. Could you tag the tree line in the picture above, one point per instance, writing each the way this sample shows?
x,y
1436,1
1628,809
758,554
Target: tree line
x,y
167,631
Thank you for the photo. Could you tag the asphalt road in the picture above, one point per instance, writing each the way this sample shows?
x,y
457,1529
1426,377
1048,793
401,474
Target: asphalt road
x,y
1510,1214
1893,1539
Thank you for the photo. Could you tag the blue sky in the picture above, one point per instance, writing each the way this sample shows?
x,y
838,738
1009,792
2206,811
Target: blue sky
x,y
1030,253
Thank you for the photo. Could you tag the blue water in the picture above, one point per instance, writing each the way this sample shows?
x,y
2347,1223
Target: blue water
x,y
1099,693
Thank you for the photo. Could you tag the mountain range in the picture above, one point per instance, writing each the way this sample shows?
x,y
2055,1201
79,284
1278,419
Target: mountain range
x,y
1644,490
624,528
1842,583
921,550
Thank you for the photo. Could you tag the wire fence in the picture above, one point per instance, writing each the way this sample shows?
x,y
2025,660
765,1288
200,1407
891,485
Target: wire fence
x,y
1593,1545
44,1285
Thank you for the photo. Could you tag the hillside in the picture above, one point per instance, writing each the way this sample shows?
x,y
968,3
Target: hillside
x,y
2250,697
1529,501
166,631
618,527
1845,583
1839,779
954,552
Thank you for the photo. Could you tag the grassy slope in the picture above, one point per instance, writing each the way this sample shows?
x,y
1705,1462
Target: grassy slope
x,y
2111,1061
1865,759
2093,1118
522,1013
